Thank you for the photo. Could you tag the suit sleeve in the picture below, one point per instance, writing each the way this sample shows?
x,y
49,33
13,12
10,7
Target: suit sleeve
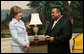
x,y
14,35
27,39
66,33
47,31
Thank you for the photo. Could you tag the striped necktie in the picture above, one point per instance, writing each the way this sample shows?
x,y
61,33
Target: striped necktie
x,y
53,24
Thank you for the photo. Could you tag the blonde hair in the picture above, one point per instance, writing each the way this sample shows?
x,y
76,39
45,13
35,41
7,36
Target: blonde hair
x,y
15,10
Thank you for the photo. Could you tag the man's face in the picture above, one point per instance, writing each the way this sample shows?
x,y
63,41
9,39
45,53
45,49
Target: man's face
x,y
55,14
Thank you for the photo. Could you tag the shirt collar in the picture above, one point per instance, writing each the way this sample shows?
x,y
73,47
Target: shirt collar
x,y
59,18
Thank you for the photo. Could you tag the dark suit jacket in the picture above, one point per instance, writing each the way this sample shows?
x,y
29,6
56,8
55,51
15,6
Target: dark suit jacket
x,y
62,33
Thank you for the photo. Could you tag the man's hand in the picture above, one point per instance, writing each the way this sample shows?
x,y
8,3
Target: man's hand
x,y
47,37
51,39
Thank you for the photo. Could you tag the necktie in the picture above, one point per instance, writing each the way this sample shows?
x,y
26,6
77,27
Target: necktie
x,y
53,24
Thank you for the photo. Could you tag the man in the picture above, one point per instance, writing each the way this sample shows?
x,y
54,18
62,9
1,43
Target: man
x,y
58,33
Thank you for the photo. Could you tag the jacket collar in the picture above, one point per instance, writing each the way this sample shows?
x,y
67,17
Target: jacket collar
x,y
15,21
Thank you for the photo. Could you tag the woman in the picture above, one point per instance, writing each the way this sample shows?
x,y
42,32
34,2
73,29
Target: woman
x,y
20,42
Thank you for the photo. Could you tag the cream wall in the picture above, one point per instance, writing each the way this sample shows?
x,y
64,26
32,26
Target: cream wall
x,y
6,5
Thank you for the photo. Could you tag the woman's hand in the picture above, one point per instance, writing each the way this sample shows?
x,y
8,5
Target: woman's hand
x,y
27,46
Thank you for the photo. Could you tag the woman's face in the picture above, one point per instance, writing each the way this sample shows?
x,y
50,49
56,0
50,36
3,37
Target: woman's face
x,y
18,16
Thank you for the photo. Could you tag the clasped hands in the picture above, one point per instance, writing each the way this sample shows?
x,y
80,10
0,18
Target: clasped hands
x,y
51,39
27,46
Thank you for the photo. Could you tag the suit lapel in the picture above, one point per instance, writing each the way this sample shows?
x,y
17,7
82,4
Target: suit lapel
x,y
51,24
57,24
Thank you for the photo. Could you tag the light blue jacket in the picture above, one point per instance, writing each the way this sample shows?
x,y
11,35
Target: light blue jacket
x,y
18,33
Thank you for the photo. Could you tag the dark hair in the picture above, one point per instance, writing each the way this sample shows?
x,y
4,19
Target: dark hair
x,y
58,9
15,10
